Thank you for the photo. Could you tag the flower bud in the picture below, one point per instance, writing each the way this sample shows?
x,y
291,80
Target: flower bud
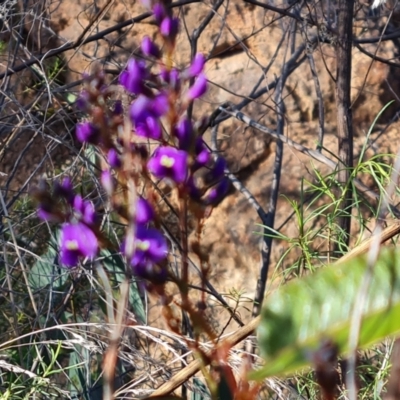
x,y
198,89
134,76
149,48
184,133
196,66
114,159
217,193
87,132
144,211
169,28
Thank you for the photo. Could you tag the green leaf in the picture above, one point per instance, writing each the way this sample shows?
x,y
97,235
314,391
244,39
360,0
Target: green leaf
x,y
75,374
46,271
114,264
300,315
200,391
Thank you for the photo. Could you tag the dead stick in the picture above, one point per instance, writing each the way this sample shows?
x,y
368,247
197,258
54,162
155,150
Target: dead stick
x,y
245,331
195,365
385,235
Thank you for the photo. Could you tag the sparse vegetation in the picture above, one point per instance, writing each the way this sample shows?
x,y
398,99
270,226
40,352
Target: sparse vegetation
x,y
165,214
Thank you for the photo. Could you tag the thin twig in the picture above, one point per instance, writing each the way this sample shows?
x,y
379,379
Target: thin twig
x,y
344,119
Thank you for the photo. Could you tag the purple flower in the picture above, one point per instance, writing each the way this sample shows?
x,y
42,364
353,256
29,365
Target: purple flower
x,y
169,27
184,133
87,132
159,13
202,155
144,211
134,76
150,246
145,114
169,162
217,171
77,240
84,210
198,89
217,193
113,158
150,249
149,48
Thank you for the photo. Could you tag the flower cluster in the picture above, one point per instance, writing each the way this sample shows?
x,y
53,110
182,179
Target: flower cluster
x,y
79,221
161,97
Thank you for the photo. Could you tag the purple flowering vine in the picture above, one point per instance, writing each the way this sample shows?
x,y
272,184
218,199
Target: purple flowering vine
x,y
161,95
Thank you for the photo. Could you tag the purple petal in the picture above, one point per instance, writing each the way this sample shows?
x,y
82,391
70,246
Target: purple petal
x,y
140,108
169,162
78,204
113,158
87,132
217,171
203,155
133,77
197,65
160,105
217,193
144,211
175,79
149,48
159,13
184,133
150,128
199,88
152,243
69,258
169,27
45,212
77,240
89,214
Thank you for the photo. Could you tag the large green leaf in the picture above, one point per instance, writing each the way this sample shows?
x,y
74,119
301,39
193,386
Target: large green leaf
x,y
46,271
298,317
115,265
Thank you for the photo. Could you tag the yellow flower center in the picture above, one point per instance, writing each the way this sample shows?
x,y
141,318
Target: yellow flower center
x,y
72,245
167,162
143,245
